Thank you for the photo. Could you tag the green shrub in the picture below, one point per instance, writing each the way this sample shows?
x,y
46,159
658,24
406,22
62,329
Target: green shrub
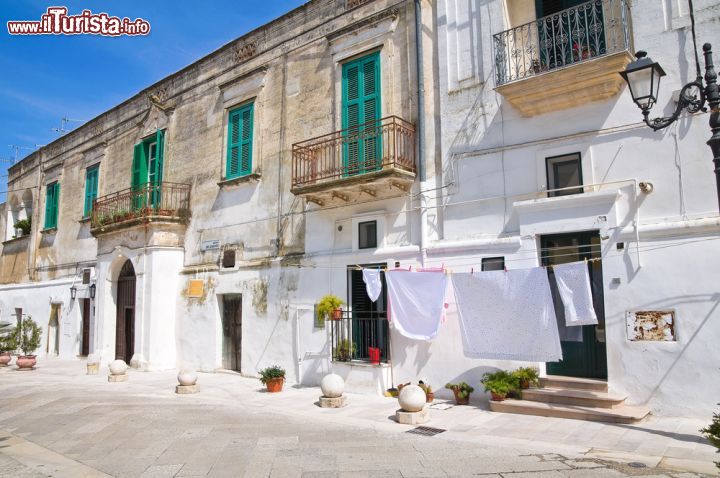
x,y
463,389
345,350
268,373
531,374
27,336
7,337
25,225
500,382
712,433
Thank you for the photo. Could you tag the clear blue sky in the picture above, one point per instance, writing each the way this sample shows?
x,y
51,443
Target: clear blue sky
x,y
47,77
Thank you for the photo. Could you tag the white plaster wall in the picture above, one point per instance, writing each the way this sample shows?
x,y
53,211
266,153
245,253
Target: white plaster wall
x,y
35,301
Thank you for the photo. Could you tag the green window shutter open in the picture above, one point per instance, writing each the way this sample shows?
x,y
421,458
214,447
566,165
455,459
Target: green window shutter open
x,y
360,111
52,195
240,135
138,176
160,139
91,187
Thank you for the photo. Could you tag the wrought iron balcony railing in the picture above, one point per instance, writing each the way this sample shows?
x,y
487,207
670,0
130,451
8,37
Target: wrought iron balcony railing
x,y
367,148
169,201
360,336
590,30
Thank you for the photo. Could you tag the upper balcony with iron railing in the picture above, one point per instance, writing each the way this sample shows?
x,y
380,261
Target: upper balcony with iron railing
x,y
361,154
574,35
596,34
165,201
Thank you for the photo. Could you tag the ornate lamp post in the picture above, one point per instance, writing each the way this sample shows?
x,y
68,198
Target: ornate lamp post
x,y
643,78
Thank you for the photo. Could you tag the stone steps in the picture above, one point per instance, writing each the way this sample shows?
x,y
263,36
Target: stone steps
x,y
620,414
558,381
565,396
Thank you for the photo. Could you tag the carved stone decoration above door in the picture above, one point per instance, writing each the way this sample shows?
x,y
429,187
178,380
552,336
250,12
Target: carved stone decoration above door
x,y
155,119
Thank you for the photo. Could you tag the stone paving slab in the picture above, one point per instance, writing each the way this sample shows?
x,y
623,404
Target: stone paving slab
x,y
86,425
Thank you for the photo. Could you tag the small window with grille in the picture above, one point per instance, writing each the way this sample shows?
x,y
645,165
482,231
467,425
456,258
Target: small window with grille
x,y
228,258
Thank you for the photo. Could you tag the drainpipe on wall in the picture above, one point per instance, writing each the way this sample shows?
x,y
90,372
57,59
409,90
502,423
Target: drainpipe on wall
x,y
421,130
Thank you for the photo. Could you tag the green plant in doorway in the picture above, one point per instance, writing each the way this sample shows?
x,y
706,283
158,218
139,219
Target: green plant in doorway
x,y
712,433
328,305
345,351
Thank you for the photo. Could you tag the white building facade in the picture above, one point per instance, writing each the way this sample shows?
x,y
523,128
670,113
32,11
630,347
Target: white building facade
x,y
233,195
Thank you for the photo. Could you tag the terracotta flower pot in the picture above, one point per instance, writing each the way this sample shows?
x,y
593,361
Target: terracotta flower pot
x,y
460,400
274,385
26,362
429,397
524,383
497,397
5,359
337,314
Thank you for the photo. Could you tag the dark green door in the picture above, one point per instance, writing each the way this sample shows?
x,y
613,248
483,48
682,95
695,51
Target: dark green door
x,y
147,171
360,112
570,37
583,347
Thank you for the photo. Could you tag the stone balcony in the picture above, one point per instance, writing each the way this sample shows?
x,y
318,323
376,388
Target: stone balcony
x,y
372,160
566,59
160,203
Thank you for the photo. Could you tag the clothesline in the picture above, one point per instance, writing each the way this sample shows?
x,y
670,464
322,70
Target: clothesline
x,y
442,268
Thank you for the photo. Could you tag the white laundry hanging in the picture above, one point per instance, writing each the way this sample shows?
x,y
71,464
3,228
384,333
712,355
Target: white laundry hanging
x,y
417,300
373,283
573,283
507,315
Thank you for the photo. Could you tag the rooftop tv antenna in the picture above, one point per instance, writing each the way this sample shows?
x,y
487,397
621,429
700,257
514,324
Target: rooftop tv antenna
x,y
64,122
17,149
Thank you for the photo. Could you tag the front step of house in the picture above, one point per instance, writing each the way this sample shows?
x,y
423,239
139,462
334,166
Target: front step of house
x,y
576,398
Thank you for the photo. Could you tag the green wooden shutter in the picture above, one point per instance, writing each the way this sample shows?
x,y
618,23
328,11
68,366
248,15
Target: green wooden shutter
x,y
91,187
139,176
240,135
160,139
52,194
360,111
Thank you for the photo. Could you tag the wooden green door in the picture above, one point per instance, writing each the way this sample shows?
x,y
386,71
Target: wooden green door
x,y
360,112
583,347
147,171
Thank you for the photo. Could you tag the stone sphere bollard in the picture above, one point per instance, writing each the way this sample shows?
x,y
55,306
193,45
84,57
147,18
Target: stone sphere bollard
x,y
187,379
118,371
412,398
332,386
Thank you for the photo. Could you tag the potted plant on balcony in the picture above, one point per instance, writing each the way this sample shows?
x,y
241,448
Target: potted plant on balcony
x,y
7,343
273,378
462,392
27,339
329,307
345,350
22,227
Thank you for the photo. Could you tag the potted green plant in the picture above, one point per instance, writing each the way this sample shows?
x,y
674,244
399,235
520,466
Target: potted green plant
x,y
273,378
329,307
345,350
499,384
7,343
22,227
527,377
27,339
462,392
427,388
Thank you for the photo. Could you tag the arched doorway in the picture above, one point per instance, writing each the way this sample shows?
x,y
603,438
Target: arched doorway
x,y
125,318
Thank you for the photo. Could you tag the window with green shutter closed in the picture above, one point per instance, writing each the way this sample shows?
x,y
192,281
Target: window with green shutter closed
x,y
52,196
239,148
360,112
91,188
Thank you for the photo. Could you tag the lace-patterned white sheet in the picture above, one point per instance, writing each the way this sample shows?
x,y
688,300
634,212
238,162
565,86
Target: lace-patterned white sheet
x,y
573,282
507,315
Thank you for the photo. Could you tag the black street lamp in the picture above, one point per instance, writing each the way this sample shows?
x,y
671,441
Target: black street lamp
x,y
92,291
643,78
73,292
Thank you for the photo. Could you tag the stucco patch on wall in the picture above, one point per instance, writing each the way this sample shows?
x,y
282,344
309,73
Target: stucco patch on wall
x,y
651,325
259,288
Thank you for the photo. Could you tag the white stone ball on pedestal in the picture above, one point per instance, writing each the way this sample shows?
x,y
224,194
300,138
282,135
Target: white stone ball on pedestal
x,y
412,398
187,377
118,367
332,385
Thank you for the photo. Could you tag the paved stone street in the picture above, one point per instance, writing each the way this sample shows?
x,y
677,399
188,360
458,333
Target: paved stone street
x,y
57,421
